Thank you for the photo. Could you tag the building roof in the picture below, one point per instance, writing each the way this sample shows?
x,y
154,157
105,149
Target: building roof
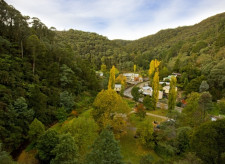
x,y
147,88
118,85
166,87
162,82
128,74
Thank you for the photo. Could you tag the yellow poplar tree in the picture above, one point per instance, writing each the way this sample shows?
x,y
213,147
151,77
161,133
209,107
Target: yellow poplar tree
x,y
135,67
172,93
154,65
155,87
111,83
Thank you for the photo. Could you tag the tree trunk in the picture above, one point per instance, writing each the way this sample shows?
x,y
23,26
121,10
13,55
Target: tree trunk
x,y
21,44
33,69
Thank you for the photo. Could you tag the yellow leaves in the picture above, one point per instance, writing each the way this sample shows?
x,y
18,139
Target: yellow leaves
x,y
108,104
110,101
154,65
119,125
135,67
155,87
111,83
157,63
121,79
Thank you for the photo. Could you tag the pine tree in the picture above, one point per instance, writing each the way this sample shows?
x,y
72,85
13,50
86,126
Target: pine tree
x,y
155,87
172,94
111,83
105,150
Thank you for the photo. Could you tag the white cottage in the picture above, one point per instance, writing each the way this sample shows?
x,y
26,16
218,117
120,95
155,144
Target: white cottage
x,y
117,87
166,89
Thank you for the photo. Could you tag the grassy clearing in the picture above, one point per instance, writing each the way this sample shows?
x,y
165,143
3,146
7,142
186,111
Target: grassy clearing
x,y
158,111
131,149
135,121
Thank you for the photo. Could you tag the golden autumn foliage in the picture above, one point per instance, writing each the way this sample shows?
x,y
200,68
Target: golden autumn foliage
x,y
172,94
135,67
107,105
111,83
121,79
154,65
155,87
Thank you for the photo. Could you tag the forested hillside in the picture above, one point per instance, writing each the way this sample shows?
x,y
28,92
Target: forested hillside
x,y
200,48
38,75
194,51
53,104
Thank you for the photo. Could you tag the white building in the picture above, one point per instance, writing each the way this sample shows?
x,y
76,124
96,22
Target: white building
x,y
117,87
163,82
133,77
129,76
169,77
148,91
99,73
166,89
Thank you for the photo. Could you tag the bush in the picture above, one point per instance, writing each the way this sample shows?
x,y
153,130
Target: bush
x,y
147,159
165,150
148,103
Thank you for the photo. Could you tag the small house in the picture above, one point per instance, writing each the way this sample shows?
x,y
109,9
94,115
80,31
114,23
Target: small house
x,y
129,76
160,95
164,83
117,87
168,78
146,90
176,74
99,73
133,77
166,89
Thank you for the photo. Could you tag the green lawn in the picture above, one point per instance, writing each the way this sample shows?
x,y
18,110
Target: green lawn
x,y
158,111
131,149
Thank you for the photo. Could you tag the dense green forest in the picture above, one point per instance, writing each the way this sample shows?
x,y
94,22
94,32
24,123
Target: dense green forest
x,y
52,102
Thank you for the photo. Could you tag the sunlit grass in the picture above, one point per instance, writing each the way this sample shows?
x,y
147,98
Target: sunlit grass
x,y
131,149
158,111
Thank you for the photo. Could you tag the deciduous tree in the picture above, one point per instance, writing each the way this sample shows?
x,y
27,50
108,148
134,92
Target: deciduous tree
x,y
84,130
155,87
135,67
145,133
135,93
111,83
148,103
107,105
